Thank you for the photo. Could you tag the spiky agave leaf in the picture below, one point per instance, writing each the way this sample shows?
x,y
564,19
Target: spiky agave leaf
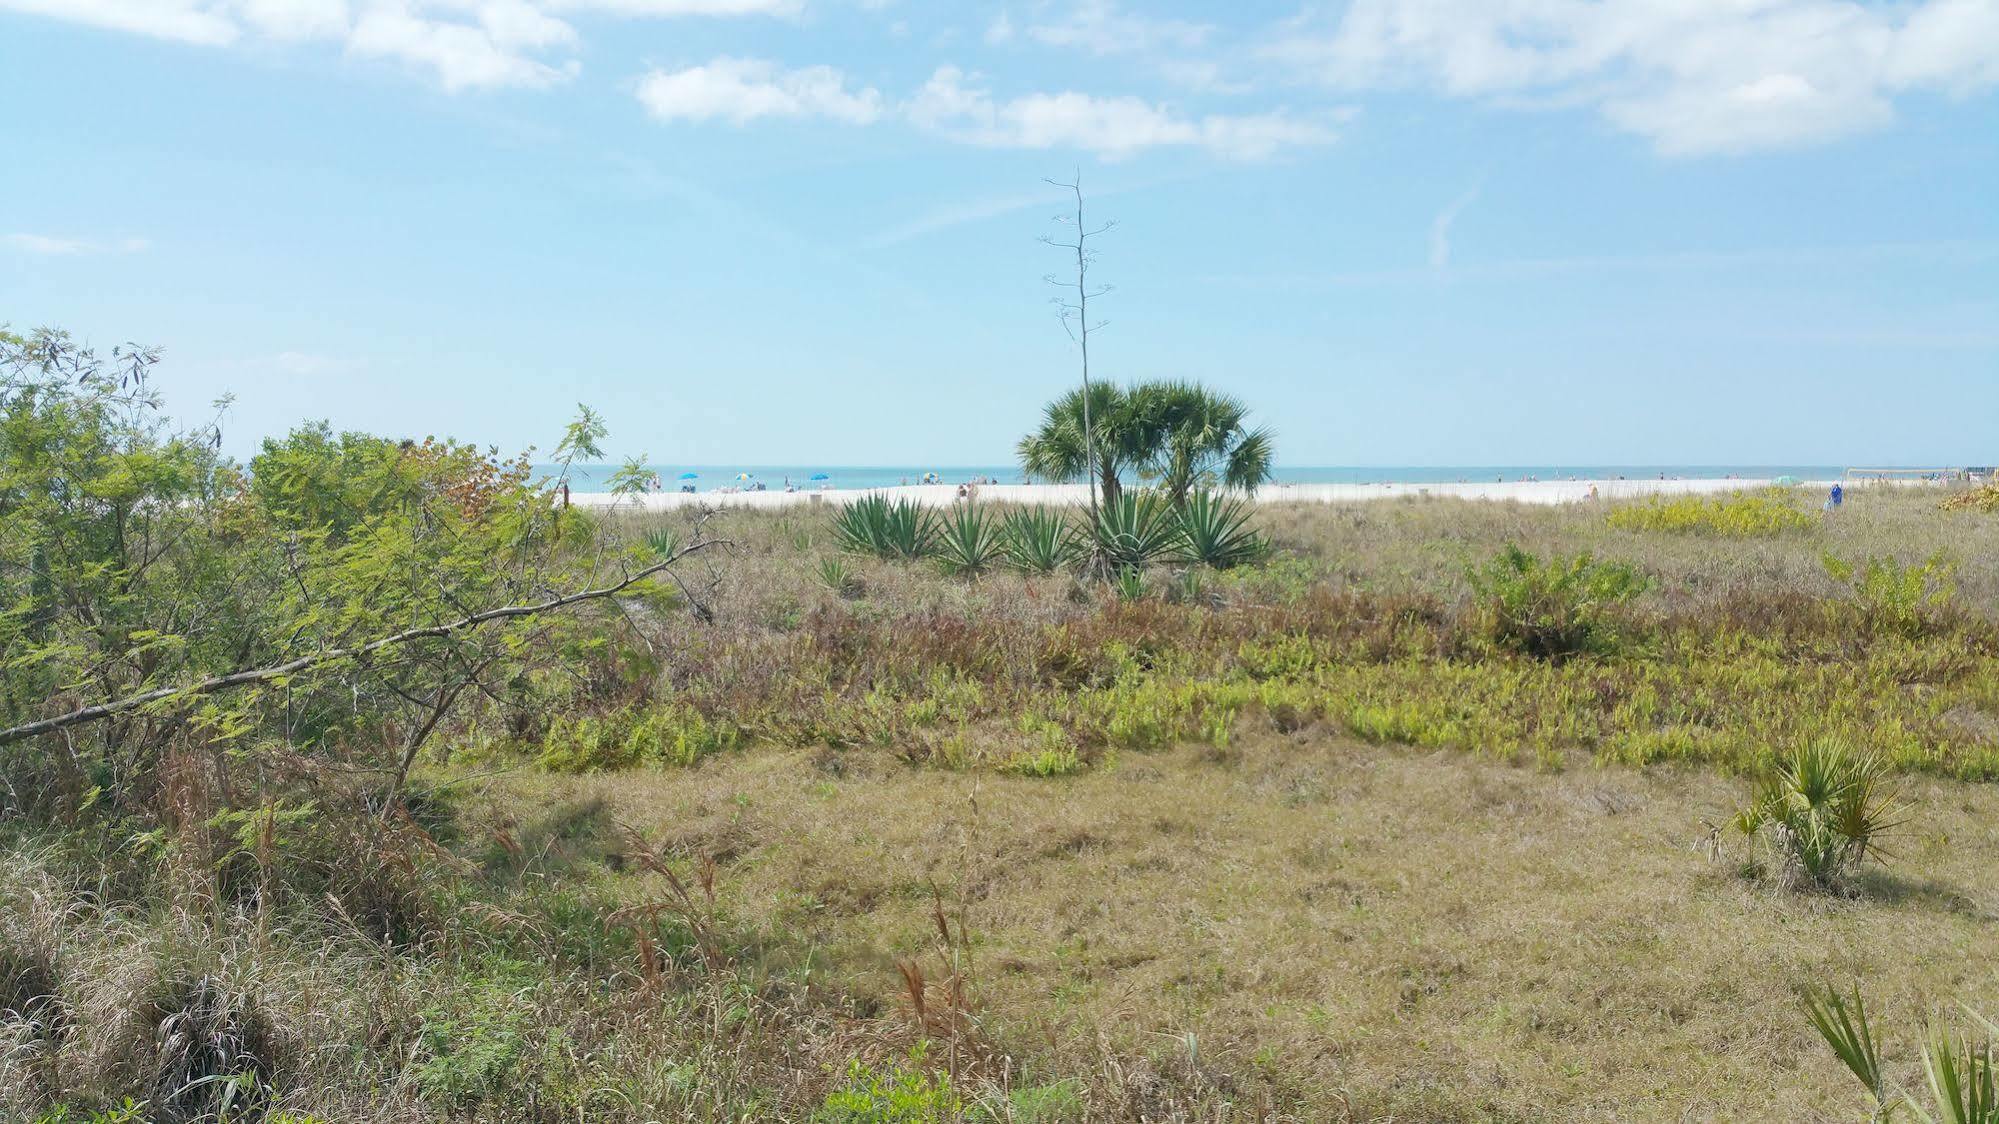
x,y
1137,530
1215,531
1845,1028
967,541
1038,540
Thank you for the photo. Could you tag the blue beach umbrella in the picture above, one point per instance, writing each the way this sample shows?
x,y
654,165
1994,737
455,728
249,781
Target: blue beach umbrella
x,y
820,476
744,476
690,476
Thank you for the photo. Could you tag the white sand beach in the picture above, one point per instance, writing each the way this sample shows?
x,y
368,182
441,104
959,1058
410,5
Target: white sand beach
x,y
943,495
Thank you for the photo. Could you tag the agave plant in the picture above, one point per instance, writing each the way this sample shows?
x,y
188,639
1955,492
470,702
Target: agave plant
x,y
1037,540
874,525
834,575
1130,584
1822,808
1136,530
1215,531
967,541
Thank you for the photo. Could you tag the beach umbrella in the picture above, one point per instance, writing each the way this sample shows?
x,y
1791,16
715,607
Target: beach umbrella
x,y
1785,480
690,476
744,476
820,476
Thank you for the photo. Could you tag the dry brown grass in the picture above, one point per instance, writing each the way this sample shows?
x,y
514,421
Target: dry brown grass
x,y
1352,933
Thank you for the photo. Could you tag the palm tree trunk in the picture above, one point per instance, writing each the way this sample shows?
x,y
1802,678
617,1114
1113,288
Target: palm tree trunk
x,y
1111,486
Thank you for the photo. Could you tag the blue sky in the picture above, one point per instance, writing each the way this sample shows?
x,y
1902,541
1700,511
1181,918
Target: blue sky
x,y
805,231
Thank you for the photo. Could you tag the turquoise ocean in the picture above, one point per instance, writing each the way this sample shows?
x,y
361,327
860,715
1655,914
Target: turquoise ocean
x,y
707,477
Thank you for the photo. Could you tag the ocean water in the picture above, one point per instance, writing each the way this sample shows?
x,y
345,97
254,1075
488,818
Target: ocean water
x,y
708,477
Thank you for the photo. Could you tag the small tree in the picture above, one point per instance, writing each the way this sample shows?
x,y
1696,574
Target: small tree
x,y
1196,438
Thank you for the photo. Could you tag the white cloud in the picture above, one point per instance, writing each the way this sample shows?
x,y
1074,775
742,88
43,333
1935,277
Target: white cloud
x,y
461,44
495,51
1112,127
51,247
1693,76
688,7
189,21
1103,28
742,90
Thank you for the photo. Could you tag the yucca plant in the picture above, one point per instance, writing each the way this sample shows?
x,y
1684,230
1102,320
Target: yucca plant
x,y
834,575
899,529
1136,529
968,541
1964,1084
1215,531
1037,540
1130,584
1822,809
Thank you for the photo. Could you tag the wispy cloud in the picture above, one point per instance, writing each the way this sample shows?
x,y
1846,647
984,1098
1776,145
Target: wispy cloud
x,y
951,215
47,246
1440,227
1516,269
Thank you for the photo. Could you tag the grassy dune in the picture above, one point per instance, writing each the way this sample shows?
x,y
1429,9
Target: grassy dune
x,y
1315,838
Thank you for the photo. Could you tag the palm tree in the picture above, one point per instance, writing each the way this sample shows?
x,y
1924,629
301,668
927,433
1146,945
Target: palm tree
x,y
1057,451
1193,437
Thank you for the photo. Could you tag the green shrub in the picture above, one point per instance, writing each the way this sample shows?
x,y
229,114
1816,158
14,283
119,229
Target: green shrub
x,y
1215,531
1907,600
1737,515
1554,609
900,529
968,542
672,734
1820,809
1038,540
895,1095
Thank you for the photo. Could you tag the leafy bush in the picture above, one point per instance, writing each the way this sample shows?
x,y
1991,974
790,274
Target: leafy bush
x,y
1037,540
1554,609
1983,498
1891,596
900,529
1136,529
968,542
1215,531
1820,809
1738,515
897,1095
